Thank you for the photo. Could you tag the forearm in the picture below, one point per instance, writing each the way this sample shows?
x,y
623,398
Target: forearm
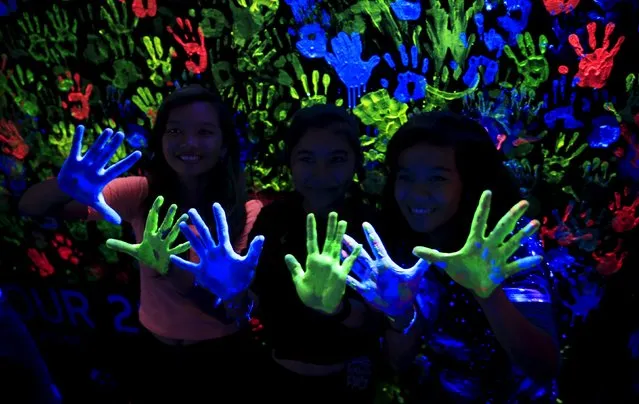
x,y
42,198
401,348
529,347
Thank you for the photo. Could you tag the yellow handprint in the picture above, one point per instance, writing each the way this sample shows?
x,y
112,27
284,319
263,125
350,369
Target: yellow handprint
x,y
556,164
147,103
386,114
160,68
258,104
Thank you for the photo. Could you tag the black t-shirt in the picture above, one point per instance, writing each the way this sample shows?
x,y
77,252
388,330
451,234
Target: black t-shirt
x,y
295,331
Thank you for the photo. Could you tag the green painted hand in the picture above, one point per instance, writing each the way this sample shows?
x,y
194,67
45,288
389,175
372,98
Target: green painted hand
x,y
322,285
482,264
155,249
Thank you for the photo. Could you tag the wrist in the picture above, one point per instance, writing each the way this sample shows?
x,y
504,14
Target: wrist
x,y
403,323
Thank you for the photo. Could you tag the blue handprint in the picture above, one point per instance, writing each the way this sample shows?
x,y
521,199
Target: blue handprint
x,y
221,270
586,296
493,41
404,80
605,131
490,66
633,344
302,9
14,173
407,10
516,18
347,61
84,177
312,42
565,114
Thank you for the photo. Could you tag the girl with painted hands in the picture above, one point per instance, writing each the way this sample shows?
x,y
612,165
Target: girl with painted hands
x,y
194,162
323,337
488,331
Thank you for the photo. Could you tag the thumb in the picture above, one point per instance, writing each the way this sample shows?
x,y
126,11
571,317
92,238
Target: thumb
x,y
255,249
294,267
123,247
431,255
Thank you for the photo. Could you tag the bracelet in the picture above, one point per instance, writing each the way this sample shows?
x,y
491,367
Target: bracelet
x,y
410,325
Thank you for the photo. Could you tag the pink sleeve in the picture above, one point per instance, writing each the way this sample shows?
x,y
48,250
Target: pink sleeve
x,y
125,195
253,208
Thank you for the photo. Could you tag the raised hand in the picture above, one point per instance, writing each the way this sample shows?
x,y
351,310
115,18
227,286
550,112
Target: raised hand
x,y
84,177
384,284
155,249
221,270
322,285
482,263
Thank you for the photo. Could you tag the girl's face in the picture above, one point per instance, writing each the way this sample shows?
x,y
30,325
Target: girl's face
x,y
323,165
192,140
428,188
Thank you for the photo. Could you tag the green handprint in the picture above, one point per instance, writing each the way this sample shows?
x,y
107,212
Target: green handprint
x,y
316,97
121,38
259,100
213,23
629,111
62,139
36,37
97,50
534,67
155,249
126,73
596,172
147,103
555,164
385,113
98,129
161,69
445,30
262,51
223,77
65,41
25,100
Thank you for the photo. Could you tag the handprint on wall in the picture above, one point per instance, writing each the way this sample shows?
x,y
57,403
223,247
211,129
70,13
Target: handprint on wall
x,y
411,84
595,67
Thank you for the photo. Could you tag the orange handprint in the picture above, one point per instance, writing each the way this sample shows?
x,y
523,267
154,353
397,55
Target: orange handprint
x,y
198,56
595,67
555,7
79,112
141,12
13,143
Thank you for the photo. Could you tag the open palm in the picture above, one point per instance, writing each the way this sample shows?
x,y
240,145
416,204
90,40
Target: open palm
x,y
482,263
323,284
382,283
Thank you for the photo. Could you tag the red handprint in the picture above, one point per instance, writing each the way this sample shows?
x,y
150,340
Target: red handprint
x,y
65,249
562,232
79,112
624,219
595,68
191,46
610,262
41,262
13,143
555,7
141,12
633,146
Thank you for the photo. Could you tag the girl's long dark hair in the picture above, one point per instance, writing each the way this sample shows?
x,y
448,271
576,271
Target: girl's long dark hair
x,y
224,180
479,163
